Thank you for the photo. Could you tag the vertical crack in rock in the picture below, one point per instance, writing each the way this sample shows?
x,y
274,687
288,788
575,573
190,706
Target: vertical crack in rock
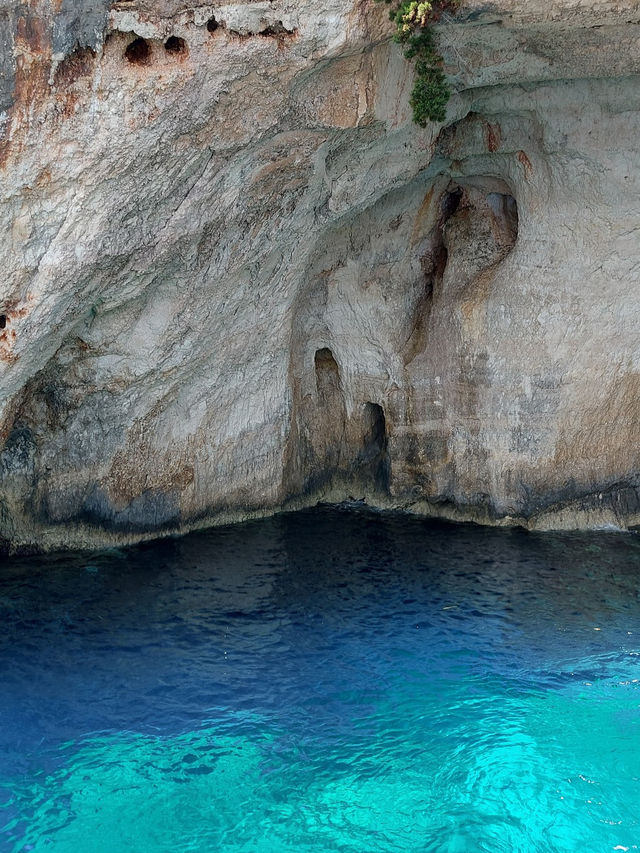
x,y
328,421
434,262
375,454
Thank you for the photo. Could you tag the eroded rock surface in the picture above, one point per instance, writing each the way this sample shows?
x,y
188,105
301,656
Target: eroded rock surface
x,y
237,278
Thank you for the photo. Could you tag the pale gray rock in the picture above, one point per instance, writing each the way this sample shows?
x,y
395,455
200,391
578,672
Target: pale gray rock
x,y
237,278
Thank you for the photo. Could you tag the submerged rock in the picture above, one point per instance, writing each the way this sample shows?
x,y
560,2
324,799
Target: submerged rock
x,y
237,278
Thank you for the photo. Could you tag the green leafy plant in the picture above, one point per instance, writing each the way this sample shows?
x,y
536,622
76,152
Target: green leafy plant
x,y
430,93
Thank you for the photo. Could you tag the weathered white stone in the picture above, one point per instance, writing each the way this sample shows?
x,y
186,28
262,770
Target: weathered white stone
x,y
238,278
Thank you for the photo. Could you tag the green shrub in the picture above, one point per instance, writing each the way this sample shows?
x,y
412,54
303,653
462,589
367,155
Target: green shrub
x,y
430,92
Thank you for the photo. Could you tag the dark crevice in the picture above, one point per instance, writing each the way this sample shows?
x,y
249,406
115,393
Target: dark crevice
x,y
434,263
375,436
176,46
449,204
3,321
77,64
212,24
138,52
277,30
375,453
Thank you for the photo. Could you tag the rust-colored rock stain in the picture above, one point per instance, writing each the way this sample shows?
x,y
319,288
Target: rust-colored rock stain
x,y
526,164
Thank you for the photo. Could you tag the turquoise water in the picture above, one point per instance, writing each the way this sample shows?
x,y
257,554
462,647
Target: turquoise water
x,y
333,680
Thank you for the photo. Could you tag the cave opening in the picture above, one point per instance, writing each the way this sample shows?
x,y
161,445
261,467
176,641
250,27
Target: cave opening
x,y
176,46
325,422
375,433
212,24
3,321
138,52
375,445
327,375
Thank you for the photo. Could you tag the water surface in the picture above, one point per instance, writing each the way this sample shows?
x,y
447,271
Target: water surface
x,y
331,680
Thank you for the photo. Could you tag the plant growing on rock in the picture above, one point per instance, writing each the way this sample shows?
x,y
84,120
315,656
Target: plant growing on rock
x,y
430,92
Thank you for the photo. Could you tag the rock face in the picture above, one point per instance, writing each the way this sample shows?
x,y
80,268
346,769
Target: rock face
x,y
237,278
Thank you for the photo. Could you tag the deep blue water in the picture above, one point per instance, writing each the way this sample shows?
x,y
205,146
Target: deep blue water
x,y
331,680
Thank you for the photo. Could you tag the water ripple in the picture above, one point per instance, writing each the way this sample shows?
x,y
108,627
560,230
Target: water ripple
x,y
329,680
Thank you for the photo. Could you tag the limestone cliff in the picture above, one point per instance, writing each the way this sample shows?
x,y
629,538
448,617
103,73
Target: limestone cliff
x,y
237,278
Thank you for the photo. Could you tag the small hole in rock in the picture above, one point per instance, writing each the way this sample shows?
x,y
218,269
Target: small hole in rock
x,y
138,52
212,25
278,30
3,321
176,45
77,64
